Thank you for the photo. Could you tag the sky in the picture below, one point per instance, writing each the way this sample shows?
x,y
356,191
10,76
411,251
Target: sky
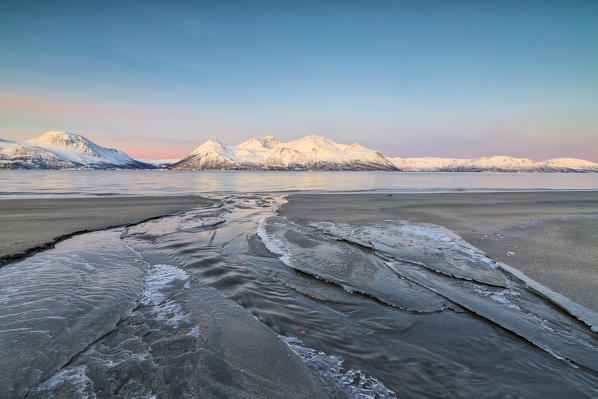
x,y
408,78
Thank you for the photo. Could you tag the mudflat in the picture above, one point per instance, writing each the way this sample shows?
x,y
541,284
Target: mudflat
x,y
550,236
31,223
201,303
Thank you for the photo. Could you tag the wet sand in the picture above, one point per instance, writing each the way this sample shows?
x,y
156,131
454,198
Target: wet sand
x,y
91,318
34,223
215,300
550,236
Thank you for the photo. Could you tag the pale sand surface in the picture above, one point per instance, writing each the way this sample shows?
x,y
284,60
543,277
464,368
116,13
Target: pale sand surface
x,y
30,223
551,236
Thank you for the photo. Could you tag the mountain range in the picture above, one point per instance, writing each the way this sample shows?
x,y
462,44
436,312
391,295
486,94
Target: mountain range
x,y
319,153
307,153
63,150
493,164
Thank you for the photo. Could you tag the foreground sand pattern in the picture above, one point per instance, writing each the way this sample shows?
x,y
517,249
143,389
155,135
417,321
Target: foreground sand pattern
x,y
323,295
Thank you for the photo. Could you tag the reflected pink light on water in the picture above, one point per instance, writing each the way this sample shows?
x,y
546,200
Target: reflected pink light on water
x,y
80,183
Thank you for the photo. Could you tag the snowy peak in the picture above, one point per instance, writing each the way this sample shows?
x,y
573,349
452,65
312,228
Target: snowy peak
x,y
502,159
211,154
309,152
319,153
214,146
313,143
62,150
59,150
570,164
352,147
62,139
426,164
493,164
499,163
282,157
259,144
253,152
77,148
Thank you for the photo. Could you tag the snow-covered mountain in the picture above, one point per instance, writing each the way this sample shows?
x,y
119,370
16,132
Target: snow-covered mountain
x,y
307,153
319,153
569,165
493,164
63,150
426,164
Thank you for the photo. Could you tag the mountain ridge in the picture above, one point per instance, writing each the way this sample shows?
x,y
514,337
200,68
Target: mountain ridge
x,y
493,164
63,150
266,153
319,153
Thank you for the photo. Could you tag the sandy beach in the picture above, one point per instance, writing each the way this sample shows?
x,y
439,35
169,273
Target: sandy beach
x,y
551,236
89,286
36,223
313,295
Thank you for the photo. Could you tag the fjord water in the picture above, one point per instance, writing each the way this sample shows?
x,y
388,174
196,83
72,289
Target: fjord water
x,y
82,183
239,300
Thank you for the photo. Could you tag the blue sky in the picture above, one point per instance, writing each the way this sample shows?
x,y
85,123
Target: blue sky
x,y
423,78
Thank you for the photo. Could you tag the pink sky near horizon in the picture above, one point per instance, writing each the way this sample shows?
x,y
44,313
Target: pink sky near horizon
x,y
150,133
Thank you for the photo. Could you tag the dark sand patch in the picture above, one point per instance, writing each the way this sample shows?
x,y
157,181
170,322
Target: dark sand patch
x,y
29,223
550,236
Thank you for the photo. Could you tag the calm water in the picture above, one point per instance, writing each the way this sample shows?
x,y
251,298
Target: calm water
x,y
22,184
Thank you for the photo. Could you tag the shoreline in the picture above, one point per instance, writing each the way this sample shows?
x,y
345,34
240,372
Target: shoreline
x,y
122,196
28,226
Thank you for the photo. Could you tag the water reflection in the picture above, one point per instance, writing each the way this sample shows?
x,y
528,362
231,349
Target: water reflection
x,y
77,183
